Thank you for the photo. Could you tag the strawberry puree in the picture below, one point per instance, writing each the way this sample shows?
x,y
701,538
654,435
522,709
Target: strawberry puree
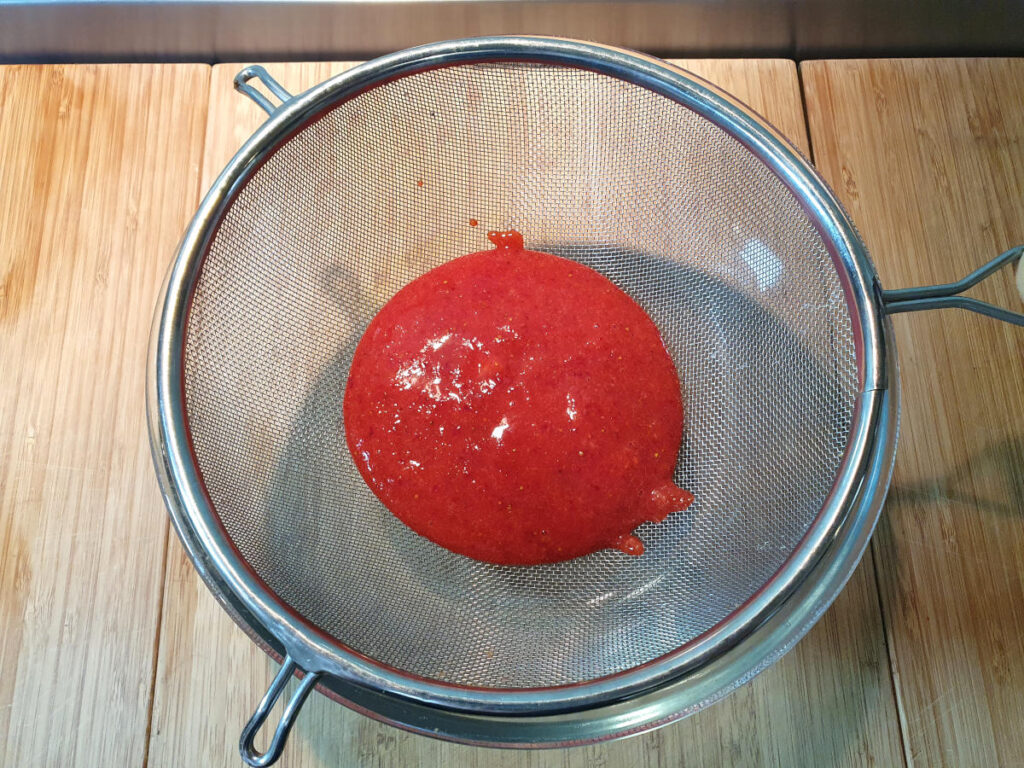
x,y
517,408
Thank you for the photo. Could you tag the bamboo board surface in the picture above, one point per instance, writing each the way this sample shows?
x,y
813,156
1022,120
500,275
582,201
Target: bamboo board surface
x,y
115,654
929,157
99,172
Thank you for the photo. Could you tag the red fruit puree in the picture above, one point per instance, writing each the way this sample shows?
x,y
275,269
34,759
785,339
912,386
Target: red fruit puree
x,y
517,408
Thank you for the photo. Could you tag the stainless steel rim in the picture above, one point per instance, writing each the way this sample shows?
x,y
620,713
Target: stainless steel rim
x,y
662,706
236,584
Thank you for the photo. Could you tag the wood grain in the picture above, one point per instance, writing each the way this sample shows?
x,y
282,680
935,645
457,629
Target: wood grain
x,y
827,703
99,171
929,157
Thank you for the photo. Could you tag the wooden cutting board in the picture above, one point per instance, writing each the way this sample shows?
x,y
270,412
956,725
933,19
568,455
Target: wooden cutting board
x,y
113,652
929,157
99,172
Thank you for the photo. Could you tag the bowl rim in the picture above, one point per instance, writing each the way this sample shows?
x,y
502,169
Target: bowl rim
x,y
235,583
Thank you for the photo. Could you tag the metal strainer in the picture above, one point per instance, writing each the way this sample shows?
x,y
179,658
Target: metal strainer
x,y
725,235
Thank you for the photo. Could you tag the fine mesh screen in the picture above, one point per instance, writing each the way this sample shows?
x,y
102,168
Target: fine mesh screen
x,y
668,206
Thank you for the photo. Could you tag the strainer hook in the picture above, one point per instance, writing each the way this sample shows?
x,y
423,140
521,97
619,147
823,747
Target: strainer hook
x,y
255,71
948,295
245,744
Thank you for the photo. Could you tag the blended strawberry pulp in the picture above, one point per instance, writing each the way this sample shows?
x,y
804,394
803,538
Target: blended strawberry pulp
x,y
517,408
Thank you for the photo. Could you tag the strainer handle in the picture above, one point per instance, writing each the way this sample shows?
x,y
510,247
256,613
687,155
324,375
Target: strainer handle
x,y
255,71
245,744
942,296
